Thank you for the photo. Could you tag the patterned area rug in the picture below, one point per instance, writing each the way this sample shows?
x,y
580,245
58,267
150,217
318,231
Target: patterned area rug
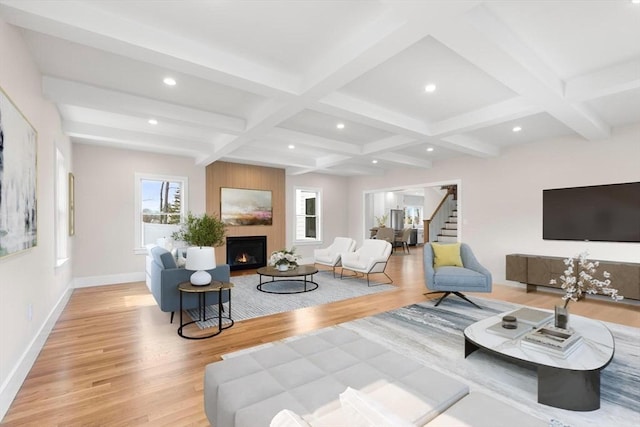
x,y
434,336
247,302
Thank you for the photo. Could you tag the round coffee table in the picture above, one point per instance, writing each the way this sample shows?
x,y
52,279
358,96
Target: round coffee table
x,y
303,271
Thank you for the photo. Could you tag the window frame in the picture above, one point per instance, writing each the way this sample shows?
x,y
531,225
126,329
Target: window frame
x,y
61,212
318,215
139,248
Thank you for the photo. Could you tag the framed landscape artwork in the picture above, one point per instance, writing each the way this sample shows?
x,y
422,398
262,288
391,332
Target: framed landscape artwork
x,y
240,206
18,204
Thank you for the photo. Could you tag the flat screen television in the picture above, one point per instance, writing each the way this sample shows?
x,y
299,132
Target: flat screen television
x,y
601,213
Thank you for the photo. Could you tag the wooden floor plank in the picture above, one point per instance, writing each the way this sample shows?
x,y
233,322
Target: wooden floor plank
x,y
114,359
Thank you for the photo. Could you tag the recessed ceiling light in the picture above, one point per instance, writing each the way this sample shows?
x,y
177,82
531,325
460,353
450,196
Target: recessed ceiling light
x,y
430,88
374,161
517,129
153,122
635,1
430,149
291,146
169,81
340,125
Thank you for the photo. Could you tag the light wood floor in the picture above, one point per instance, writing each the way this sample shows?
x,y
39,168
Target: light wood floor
x,y
114,359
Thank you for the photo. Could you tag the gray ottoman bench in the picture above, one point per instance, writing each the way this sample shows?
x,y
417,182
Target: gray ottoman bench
x,y
307,375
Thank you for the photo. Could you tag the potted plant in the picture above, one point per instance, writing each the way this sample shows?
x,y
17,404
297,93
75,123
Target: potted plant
x,y
201,230
382,220
202,233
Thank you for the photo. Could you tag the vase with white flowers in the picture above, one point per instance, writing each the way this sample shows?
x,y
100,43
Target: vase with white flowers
x,y
284,259
577,282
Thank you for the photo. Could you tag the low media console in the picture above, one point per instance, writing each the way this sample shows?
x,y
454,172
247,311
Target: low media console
x,y
538,270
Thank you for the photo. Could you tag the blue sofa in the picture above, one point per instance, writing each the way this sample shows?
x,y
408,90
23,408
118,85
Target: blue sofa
x,y
471,277
165,276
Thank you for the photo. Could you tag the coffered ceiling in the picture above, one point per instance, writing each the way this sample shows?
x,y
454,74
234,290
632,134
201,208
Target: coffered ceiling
x,y
255,78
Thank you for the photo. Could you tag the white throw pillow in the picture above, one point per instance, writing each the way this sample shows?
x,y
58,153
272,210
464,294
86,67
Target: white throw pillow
x,y
287,418
363,411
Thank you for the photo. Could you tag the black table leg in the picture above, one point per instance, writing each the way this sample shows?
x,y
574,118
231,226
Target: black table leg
x,y
567,389
469,347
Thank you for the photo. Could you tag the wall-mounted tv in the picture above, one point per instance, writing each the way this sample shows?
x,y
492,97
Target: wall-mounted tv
x,y
602,213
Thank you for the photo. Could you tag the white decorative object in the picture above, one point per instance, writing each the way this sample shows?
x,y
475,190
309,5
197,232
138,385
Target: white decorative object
x,y
284,259
287,418
582,282
200,258
363,411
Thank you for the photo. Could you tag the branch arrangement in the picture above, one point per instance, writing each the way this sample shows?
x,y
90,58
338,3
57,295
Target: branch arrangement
x,y
576,285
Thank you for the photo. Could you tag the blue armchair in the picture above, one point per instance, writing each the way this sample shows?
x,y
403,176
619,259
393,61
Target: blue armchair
x,y
166,276
471,277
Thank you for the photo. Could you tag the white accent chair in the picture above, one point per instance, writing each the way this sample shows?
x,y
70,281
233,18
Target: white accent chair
x,y
332,255
370,258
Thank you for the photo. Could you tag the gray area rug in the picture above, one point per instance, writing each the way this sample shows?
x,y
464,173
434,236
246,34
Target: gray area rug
x,y
434,336
247,302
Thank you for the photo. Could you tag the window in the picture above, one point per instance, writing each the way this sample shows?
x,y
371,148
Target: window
x,y
62,209
308,208
160,207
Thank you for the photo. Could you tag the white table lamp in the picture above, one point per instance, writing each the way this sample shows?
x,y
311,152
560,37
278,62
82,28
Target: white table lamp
x,y
200,259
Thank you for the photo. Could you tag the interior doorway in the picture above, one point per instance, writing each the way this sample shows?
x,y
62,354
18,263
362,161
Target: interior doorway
x,y
412,203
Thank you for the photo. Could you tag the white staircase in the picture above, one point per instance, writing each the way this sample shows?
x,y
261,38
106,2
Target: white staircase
x,y
449,233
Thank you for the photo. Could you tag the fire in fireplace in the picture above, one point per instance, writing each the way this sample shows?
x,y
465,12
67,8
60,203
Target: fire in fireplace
x,y
246,252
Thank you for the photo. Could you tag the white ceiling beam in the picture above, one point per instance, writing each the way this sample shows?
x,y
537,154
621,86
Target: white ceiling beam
x,y
358,170
412,131
367,113
605,82
472,146
407,160
79,94
133,140
78,20
404,24
506,39
308,140
395,142
256,131
490,115
368,48
331,160
270,158
354,171
493,47
134,123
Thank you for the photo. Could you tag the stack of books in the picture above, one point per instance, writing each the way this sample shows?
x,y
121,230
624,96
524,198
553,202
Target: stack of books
x,y
554,341
526,318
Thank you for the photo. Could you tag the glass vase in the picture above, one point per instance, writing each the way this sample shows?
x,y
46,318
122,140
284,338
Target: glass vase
x,y
561,317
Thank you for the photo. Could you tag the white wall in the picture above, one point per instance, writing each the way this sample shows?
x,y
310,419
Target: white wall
x,y
500,199
30,279
105,209
335,209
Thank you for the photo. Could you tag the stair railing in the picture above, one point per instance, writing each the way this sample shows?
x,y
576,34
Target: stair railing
x,y
438,218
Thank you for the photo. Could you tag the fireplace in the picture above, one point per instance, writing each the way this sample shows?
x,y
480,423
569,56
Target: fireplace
x,y
246,252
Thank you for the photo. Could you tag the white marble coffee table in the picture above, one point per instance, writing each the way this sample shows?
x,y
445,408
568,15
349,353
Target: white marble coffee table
x,y
572,383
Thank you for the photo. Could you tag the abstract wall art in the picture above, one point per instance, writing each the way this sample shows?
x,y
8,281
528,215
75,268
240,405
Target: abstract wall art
x,y
18,177
245,207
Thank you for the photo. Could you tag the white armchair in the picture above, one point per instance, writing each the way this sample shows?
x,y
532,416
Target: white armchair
x,y
332,255
370,258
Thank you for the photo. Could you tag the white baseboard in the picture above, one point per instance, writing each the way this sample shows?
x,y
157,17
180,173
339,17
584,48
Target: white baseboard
x,y
112,279
9,389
